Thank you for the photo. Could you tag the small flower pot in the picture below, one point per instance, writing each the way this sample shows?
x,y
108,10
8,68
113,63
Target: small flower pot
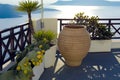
x,y
37,71
50,57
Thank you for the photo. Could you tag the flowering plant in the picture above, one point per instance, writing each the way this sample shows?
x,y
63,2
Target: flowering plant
x,y
33,58
25,61
44,37
30,57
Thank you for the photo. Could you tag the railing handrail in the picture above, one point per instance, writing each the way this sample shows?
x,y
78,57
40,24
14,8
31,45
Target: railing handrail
x,y
110,22
8,29
13,40
99,19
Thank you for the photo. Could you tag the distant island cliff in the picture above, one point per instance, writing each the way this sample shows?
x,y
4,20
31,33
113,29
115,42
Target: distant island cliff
x,y
87,3
9,11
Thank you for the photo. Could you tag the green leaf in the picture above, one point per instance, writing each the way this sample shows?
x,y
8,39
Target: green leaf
x,y
8,75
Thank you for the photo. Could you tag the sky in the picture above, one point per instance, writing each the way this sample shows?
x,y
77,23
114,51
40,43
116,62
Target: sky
x,y
15,2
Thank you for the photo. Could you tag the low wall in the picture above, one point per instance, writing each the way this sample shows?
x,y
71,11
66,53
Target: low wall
x,y
49,24
116,43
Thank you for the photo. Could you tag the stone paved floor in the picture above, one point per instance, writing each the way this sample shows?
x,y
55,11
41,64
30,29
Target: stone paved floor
x,y
95,66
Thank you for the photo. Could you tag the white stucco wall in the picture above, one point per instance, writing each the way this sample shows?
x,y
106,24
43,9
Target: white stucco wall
x,y
49,24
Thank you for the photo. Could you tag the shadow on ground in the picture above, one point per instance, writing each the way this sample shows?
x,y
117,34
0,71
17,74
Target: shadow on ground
x,y
95,66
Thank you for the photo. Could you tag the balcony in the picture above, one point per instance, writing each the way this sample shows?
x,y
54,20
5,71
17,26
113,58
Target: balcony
x,y
95,66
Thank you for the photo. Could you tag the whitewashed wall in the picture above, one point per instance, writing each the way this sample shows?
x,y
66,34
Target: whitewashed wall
x,y
36,24
49,24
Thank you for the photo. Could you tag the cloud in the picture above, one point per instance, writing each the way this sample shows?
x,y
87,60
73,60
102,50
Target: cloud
x,y
15,2
113,0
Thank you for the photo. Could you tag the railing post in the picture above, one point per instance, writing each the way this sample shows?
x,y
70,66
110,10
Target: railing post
x,y
1,59
109,23
12,53
21,33
60,24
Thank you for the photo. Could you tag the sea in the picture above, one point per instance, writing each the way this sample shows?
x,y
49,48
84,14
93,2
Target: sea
x,y
64,11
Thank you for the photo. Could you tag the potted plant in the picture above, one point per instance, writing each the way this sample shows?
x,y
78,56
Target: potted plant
x,y
100,35
31,62
26,62
48,39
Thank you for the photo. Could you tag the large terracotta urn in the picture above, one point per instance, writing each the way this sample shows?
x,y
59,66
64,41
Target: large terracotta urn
x,y
74,44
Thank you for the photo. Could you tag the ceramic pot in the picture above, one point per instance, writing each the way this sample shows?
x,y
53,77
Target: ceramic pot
x,y
74,44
